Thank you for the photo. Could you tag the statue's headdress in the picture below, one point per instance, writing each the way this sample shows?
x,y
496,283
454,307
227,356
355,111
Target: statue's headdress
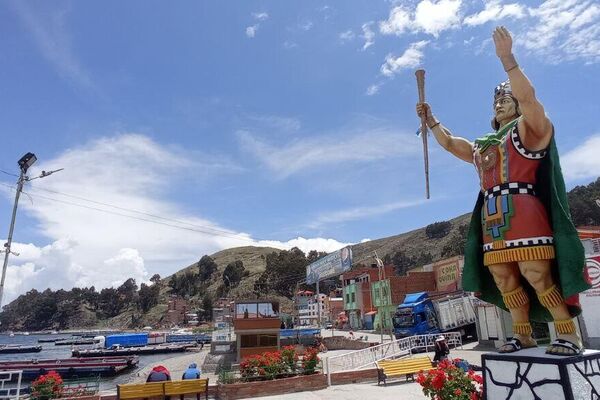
x,y
503,89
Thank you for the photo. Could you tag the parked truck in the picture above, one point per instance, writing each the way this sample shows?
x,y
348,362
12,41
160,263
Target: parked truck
x,y
422,314
126,340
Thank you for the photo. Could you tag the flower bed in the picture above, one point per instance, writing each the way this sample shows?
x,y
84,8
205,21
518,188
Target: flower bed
x,y
279,364
274,373
451,380
48,386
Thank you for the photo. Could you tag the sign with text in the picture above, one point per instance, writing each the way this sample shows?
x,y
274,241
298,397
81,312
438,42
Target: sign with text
x,y
590,299
446,275
332,264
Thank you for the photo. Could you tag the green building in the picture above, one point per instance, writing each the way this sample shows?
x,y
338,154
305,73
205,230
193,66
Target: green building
x,y
353,304
382,300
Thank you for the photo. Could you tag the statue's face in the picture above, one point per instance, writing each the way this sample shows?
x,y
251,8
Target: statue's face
x,y
505,108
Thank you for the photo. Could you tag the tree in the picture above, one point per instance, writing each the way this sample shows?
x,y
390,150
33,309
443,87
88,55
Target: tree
x,y
109,301
206,268
207,306
401,262
233,274
283,270
424,259
148,296
127,291
438,230
582,202
314,255
155,279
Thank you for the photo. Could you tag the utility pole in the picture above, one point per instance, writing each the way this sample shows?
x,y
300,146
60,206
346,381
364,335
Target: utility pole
x,y
24,163
318,305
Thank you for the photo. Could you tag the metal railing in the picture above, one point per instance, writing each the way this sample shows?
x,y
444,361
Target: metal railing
x,y
358,359
7,391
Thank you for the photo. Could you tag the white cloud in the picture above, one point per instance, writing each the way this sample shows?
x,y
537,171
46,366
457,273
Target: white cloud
x,y
373,89
582,162
495,10
346,36
289,44
260,16
358,213
432,17
306,245
92,243
318,152
251,30
411,58
436,17
368,35
564,30
398,22
52,38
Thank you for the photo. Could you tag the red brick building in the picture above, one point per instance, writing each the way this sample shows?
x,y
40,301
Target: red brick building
x,y
176,310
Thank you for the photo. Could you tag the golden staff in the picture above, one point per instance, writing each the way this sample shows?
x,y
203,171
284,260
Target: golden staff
x,y
421,87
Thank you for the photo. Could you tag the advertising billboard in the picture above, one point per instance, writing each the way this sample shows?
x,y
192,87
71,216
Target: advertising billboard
x,y
332,264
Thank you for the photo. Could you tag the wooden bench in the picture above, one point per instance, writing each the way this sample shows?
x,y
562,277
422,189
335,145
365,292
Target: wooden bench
x,y
405,366
162,389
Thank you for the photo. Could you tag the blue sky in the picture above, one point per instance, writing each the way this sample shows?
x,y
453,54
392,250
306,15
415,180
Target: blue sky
x,y
259,122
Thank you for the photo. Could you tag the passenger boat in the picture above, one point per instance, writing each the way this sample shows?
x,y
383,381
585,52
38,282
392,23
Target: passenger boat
x,y
125,351
71,367
19,348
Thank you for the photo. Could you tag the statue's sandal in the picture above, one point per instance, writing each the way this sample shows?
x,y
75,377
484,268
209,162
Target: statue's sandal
x,y
513,345
558,347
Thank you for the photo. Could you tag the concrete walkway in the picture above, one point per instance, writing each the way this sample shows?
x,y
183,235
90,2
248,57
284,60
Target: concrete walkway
x,y
358,391
395,389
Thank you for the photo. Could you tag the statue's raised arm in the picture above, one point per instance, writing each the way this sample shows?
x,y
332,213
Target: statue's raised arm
x,y
535,127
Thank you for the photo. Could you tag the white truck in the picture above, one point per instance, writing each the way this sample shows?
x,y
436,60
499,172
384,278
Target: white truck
x,y
423,313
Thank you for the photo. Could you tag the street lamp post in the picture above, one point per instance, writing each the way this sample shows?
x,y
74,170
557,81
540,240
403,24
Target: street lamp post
x,y
24,163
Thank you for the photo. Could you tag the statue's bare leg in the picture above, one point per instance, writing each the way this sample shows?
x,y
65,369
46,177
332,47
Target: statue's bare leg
x,y
539,275
508,279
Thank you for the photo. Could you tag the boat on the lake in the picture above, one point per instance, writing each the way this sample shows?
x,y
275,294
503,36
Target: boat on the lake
x,y
48,340
74,341
71,367
19,348
135,350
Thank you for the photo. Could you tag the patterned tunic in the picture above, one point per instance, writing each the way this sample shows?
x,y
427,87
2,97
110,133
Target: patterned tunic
x,y
514,222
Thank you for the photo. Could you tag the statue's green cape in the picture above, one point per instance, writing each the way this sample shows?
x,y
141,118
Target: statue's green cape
x,y
569,265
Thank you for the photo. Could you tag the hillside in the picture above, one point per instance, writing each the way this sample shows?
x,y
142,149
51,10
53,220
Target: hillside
x,y
415,245
252,272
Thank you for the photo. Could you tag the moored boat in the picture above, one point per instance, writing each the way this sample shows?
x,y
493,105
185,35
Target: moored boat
x,y
69,342
19,348
139,350
71,367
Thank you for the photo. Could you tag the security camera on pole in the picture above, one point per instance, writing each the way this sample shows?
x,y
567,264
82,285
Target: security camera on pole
x,y
24,163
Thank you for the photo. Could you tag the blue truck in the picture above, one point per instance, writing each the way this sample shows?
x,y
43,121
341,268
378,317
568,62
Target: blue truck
x,y
126,340
420,314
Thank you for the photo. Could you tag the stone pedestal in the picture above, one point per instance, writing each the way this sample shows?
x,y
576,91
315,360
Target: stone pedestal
x,y
532,374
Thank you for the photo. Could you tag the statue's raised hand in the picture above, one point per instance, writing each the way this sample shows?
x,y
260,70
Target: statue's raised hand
x,y
502,41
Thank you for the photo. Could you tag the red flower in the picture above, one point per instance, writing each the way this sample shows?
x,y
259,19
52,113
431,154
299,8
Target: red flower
x,y
458,392
438,382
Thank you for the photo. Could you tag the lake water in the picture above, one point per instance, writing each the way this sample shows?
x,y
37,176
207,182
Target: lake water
x,y
51,351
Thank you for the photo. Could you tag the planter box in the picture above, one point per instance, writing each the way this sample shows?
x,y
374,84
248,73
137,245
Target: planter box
x,y
271,388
